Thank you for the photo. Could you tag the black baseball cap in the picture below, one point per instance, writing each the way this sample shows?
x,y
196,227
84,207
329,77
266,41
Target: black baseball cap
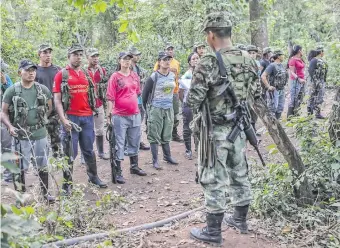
x,y
125,54
163,55
26,64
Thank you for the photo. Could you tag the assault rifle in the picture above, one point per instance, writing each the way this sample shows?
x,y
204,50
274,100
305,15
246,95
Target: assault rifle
x,y
111,138
241,116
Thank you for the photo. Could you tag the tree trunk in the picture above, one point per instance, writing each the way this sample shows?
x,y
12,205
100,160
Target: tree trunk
x,y
303,193
258,24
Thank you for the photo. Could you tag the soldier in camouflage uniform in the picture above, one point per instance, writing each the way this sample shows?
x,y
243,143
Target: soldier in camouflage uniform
x,y
223,166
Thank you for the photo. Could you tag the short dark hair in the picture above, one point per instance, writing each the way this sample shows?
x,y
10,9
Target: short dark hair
x,y
220,32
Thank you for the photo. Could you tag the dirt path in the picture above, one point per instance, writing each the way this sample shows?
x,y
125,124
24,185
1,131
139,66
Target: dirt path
x,y
165,193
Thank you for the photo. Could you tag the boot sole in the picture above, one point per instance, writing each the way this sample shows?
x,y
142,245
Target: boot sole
x,y
236,228
100,186
207,242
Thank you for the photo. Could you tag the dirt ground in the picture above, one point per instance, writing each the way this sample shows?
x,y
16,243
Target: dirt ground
x,y
165,193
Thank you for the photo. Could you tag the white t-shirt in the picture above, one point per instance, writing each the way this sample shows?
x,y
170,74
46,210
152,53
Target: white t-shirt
x,y
185,82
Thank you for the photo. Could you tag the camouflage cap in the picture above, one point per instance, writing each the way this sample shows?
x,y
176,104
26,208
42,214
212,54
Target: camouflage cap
x,y
319,48
241,46
44,47
124,54
134,51
92,51
26,64
75,48
252,48
217,20
199,44
168,45
278,52
267,50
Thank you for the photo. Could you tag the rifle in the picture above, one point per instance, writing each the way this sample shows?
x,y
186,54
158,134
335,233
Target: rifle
x,y
19,178
241,115
111,138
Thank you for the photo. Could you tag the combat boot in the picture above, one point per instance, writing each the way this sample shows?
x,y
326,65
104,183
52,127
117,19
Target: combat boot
x,y
143,146
167,154
175,136
309,111
290,112
134,169
154,152
119,176
91,168
100,147
43,175
212,232
238,219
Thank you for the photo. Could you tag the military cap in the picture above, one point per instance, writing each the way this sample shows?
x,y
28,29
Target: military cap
x,y
75,48
44,47
252,48
199,44
267,50
217,20
241,46
134,51
168,45
319,48
163,55
92,51
278,52
26,64
124,54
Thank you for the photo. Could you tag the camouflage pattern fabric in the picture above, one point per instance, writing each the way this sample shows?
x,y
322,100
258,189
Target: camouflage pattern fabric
x,y
53,129
228,174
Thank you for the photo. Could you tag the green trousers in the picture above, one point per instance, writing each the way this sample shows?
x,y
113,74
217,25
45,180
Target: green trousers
x,y
229,175
160,124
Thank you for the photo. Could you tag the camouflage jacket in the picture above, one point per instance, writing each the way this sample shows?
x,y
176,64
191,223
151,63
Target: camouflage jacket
x,y
241,72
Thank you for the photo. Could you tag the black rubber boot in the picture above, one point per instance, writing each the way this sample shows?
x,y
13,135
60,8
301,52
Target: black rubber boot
x,y
175,136
167,154
43,175
143,146
134,169
100,147
19,181
119,177
239,219
67,184
212,232
91,167
290,112
154,152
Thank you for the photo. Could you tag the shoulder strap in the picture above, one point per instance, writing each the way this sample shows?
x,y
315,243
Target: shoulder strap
x,y
17,88
64,73
101,72
38,88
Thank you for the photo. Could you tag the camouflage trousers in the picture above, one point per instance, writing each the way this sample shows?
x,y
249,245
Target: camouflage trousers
x,y
53,129
228,178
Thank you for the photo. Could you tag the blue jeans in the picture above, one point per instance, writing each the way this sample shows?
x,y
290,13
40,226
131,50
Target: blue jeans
x,y
276,101
85,137
296,89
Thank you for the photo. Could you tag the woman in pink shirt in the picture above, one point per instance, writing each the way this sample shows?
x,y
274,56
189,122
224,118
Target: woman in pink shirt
x,y
122,94
297,80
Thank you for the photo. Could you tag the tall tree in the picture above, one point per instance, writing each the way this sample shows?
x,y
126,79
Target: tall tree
x,y
258,23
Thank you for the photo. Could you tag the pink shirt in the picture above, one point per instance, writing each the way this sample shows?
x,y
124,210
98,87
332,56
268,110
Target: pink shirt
x,y
299,67
123,90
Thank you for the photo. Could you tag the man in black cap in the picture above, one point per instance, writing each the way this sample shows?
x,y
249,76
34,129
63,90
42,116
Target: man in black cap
x,y
74,101
25,108
46,72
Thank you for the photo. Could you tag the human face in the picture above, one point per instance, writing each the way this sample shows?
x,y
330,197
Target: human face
x,y
300,53
200,50
165,63
125,62
281,57
46,56
136,58
75,59
170,51
253,54
28,75
93,60
194,60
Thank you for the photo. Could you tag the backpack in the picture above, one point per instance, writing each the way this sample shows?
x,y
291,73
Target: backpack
x,y
65,91
102,85
280,79
18,111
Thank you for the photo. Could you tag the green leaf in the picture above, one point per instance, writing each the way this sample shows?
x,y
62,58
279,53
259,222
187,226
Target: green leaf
x,y
12,167
100,6
123,27
16,211
335,166
69,224
3,210
273,151
134,37
29,210
271,146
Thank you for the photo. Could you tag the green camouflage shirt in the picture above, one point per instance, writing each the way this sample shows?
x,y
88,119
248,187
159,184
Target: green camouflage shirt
x,y
206,82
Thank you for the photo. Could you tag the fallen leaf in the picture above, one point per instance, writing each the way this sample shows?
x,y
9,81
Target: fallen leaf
x,y
286,229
